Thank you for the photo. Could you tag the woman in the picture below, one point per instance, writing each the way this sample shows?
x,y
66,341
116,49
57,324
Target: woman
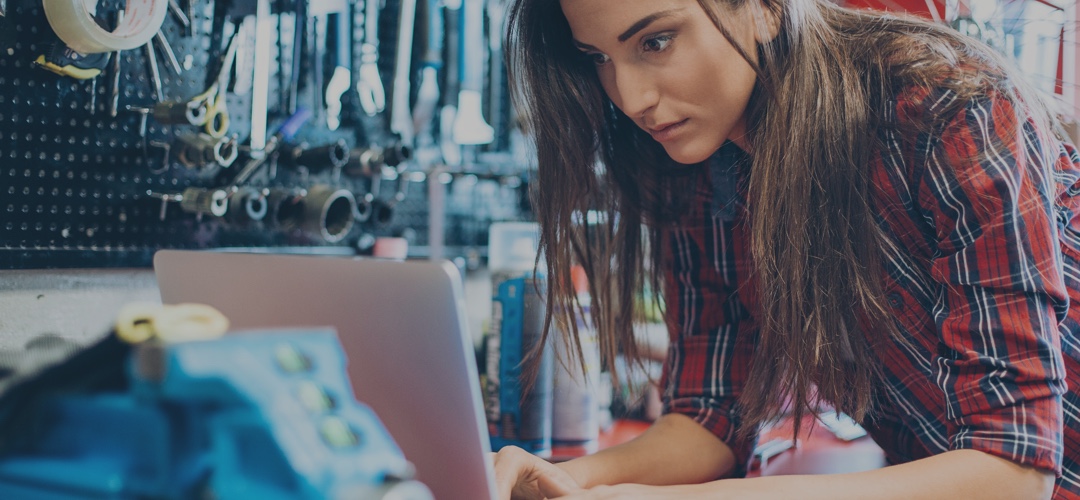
x,y
842,208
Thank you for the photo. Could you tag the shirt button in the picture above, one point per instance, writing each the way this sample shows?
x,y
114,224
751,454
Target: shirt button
x,y
896,300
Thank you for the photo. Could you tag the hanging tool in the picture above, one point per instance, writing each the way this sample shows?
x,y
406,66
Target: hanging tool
x,y
341,79
381,211
175,113
317,46
170,56
427,98
164,147
283,135
370,86
400,112
469,125
373,163
215,107
165,198
93,96
327,95
450,150
291,85
333,155
155,75
369,162
114,98
247,205
189,11
496,14
205,201
328,213
265,36
64,61
181,17
195,200
197,151
244,70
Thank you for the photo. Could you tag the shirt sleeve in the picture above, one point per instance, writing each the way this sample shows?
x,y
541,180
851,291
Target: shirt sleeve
x,y
707,362
997,259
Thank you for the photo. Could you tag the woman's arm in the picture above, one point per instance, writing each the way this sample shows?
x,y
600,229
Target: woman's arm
x,y
675,450
950,475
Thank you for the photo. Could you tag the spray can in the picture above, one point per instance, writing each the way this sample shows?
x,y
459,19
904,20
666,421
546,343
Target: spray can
x,y
516,414
575,406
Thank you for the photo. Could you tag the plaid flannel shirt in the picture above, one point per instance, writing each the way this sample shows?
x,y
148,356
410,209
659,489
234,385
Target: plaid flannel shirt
x,y
982,272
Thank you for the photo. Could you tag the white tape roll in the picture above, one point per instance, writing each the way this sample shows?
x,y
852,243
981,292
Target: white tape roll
x,y
74,24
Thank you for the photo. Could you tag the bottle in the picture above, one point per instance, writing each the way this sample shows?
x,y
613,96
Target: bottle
x,y
575,406
517,414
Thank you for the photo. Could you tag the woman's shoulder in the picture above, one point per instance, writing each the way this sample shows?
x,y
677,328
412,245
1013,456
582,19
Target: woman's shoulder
x,y
930,105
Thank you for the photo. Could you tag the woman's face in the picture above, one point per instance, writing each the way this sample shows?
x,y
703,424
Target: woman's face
x,y
667,67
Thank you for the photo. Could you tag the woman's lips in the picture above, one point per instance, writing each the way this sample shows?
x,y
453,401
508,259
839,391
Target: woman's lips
x,y
668,132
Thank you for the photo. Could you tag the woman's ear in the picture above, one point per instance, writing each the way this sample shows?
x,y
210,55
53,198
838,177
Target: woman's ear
x,y
767,17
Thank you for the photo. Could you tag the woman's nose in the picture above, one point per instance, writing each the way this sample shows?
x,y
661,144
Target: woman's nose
x,y
634,92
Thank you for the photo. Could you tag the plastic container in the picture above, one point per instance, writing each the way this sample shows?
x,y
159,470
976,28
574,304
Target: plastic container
x,y
575,422
517,415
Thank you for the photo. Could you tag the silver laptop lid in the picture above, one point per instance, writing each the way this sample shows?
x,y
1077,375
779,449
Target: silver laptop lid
x,y
403,328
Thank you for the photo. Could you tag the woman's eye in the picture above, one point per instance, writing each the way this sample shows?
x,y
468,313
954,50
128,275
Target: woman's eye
x,y
597,58
656,43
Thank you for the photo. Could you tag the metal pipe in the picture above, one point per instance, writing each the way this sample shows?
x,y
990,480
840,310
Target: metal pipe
x,y
328,213
200,151
286,208
247,205
333,155
368,162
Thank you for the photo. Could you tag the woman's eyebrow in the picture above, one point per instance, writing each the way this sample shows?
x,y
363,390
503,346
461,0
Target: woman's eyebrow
x,y
644,23
634,28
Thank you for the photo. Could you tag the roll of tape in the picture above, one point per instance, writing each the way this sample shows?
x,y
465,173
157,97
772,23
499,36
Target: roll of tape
x,y
74,24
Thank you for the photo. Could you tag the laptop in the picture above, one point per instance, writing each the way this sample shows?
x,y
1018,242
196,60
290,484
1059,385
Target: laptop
x,y
403,329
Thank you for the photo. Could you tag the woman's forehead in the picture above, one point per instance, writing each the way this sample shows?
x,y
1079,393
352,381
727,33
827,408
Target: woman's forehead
x,y
605,21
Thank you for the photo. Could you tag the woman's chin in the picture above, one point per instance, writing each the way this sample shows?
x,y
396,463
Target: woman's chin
x,y
688,155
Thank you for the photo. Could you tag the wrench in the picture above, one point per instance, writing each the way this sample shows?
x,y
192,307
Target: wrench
x,y
340,81
469,125
370,87
427,98
400,112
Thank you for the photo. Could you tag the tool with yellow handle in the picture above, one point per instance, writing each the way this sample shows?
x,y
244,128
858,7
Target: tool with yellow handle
x,y
64,61
213,100
140,322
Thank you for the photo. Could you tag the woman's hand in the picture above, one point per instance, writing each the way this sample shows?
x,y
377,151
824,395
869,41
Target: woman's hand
x,y
520,475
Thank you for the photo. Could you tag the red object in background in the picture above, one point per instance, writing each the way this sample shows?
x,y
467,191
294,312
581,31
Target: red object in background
x,y
935,10
916,7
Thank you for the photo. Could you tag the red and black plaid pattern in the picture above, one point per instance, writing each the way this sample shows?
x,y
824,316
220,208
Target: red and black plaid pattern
x,y
982,270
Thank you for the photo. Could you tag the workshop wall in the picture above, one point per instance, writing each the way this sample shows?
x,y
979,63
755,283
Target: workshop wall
x,y
102,163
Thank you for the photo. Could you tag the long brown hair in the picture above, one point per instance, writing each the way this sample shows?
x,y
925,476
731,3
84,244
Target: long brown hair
x,y
813,122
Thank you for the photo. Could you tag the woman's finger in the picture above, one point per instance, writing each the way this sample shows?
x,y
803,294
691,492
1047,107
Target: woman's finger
x,y
522,475
554,482
511,466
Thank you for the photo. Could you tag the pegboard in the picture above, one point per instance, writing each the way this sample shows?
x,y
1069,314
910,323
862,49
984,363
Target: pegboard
x,y
81,187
